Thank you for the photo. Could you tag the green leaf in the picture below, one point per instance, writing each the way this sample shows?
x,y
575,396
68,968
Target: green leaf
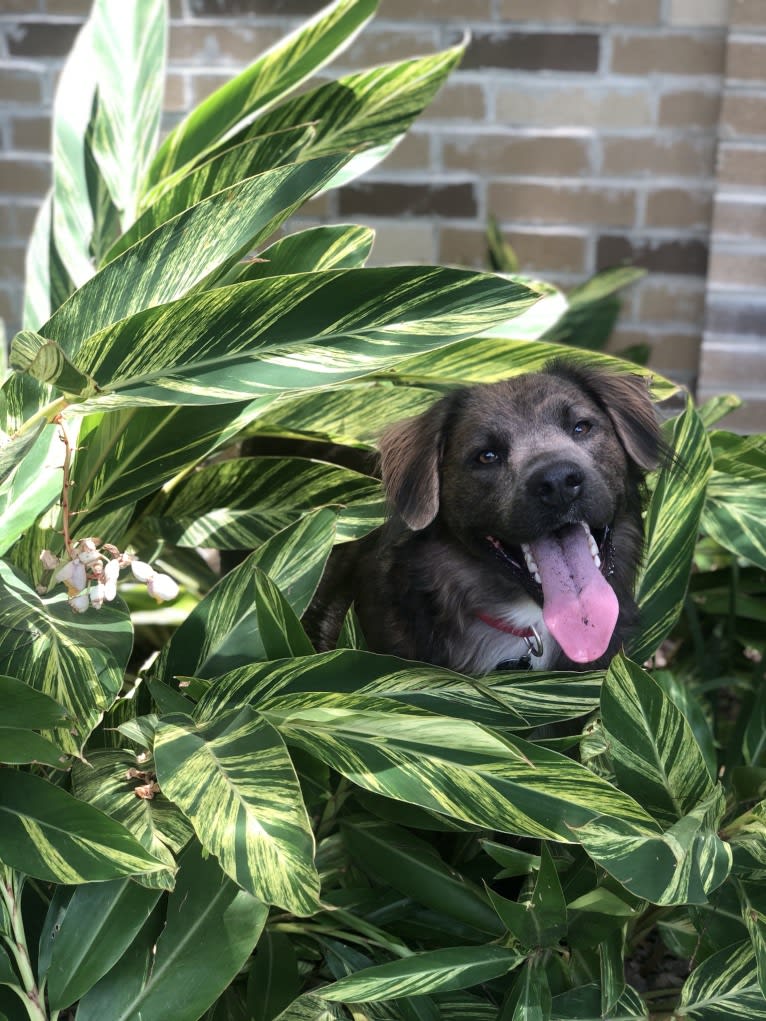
x,y
753,906
280,629
274,980
451,766
44,360
681,866
534,1002
109,781
18,746
655,755
541,920
212,927
723,987
276,72
430,971
37,268
174,259
222,630
671,528
236,783
31,483
48,834
99,925
309,1007
287,333
315,249
239,503
129,56
733,515
413,867
76,660
611,958
23,706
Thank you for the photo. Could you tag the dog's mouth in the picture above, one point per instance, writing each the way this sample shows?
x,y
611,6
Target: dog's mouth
x,y
564,572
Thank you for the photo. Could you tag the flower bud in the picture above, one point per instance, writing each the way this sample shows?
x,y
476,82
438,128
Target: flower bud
x,y
79,603
111,574
141,571
162,587
49,560
97,595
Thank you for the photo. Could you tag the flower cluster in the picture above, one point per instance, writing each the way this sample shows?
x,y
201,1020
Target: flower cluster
x,y
91,571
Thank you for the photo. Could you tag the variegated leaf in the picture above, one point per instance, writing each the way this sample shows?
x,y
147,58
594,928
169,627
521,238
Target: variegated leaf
x,y
76,660
655,754
278,625
48,834
238,504
233,165
128,43
179,255
733,515
510,700
453,767
37,268
32,486
427,972
109,782
264,82
289,333
344,246
681,866
671,528
724,987
235,781
222,630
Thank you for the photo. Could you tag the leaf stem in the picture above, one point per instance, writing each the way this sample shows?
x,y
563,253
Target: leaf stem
x,y
11,885
46,414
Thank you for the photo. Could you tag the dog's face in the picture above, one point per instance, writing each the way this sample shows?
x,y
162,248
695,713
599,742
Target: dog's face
x,y
537,476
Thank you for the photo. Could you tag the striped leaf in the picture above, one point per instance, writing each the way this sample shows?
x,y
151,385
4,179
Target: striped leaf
x,y
233,165
128,45
540,920
723,987
289,333
37,268
48,834
309,1007
222,630
240,503
156,822
754,917
181,254
534,1002
344,246
428,972
682,866
77,660
100,923
671,528
211,929
733,515
507,700
31,487
653,749
452,767
264,82
235,781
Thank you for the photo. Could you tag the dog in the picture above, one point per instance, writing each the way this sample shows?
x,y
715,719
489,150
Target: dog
x,y
516,529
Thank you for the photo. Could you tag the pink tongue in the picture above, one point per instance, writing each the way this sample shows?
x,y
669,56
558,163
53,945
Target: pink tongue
x,y
579,606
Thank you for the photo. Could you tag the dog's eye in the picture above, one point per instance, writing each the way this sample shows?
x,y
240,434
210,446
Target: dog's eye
x,y
582,428
488,457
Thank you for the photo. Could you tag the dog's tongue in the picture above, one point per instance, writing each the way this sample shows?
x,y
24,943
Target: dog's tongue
x,y
579,606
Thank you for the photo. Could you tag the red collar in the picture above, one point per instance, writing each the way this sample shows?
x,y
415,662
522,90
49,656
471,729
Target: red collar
x,y
508,629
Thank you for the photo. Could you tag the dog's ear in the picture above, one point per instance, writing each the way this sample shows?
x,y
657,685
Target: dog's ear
x,y
410,458
626,400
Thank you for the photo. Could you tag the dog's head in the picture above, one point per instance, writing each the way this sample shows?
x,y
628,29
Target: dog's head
x,y
541,471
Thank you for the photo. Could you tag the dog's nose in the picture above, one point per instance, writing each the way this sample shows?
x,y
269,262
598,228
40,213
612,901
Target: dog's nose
x,y
557,485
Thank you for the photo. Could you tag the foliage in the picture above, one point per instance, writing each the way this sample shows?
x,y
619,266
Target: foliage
x,y
195,808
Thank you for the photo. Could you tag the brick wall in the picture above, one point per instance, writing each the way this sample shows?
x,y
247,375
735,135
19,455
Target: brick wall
x,y
589,128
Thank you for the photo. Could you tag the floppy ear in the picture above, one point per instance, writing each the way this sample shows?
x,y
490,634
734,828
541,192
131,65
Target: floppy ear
x,y
626,400
410,458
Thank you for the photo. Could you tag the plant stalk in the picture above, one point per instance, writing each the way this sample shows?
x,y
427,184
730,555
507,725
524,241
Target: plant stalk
x,y
11,884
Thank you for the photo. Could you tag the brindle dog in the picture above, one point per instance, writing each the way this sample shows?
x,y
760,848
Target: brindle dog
x,y
516,529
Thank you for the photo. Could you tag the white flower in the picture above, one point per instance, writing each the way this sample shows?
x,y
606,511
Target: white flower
x,y
97,595
141,571
111,574
74,576
87,552
49,560
162,587
79,603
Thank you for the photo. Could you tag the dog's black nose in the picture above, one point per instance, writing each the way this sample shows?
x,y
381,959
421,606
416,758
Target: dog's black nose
x,y
557,485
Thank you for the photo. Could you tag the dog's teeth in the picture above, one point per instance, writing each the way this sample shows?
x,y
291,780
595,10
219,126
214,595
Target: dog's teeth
x,y
585,527
597,560
529,560
537,577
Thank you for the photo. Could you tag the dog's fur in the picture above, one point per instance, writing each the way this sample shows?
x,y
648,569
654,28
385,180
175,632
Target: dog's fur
x,y
484,470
